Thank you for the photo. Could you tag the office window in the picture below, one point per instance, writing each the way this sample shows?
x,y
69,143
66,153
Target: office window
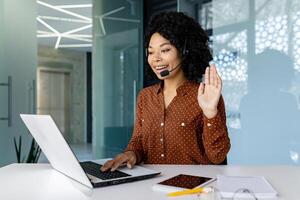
x,y
256,48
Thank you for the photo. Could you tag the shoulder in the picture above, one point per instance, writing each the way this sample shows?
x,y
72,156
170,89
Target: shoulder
x,y
150,90
191,87
194,85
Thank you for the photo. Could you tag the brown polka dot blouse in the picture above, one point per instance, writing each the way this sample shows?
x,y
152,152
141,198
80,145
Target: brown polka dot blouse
x,y
180,133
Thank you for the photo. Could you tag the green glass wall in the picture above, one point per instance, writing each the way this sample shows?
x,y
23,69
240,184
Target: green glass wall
x,y
117,72
18,60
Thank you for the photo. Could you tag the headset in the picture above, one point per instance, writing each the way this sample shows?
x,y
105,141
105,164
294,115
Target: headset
x,y
184,51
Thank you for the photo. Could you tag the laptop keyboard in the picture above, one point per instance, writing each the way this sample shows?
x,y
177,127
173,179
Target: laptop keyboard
x,y
94,170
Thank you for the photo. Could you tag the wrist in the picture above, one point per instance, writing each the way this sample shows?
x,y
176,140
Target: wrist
x,y
210,113
130,154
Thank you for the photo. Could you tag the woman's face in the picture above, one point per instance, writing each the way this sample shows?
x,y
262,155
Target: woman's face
x,y
162,55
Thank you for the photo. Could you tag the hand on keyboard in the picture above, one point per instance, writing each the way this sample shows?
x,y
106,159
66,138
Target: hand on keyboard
x,y
92,168
127,157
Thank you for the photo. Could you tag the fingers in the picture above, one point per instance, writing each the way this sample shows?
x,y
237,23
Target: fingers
x,y
210,74
107,165
217,78
128,157
119,160
213,73
131,162
213,76
132,159
206,76
115,163
219,82
201,89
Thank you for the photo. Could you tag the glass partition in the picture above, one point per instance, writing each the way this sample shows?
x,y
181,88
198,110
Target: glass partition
x,y
117,73
256,48
18,60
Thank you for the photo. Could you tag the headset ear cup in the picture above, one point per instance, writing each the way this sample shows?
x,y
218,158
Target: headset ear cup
x,y
184,52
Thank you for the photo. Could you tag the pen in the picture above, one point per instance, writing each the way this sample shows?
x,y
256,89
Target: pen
x,y
189,191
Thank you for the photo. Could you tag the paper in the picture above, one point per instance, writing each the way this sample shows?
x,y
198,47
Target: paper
x,y
244,186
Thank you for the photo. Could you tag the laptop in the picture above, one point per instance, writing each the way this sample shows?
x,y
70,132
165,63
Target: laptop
x,y
62,159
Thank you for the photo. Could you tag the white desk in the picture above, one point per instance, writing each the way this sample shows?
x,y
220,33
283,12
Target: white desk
x,y
41,182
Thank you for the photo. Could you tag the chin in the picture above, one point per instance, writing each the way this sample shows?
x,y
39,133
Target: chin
x,y
163,78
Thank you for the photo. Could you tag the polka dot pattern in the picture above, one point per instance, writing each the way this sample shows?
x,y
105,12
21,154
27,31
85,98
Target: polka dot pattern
x,y
180,133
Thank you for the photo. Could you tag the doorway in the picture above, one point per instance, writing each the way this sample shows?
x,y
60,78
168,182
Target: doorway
x,y
53,97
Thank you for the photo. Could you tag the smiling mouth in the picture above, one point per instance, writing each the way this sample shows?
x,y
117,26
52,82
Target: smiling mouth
x,y
161,68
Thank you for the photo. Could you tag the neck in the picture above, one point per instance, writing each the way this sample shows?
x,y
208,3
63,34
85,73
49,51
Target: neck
x,y
171,84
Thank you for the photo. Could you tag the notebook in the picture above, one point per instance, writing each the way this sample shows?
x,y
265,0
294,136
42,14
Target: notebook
x,y
245,186
62,159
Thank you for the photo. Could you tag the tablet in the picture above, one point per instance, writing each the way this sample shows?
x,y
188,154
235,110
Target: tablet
x,y
182,181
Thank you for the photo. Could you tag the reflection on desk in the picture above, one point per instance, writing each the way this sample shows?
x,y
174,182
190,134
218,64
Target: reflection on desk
x,y
40,181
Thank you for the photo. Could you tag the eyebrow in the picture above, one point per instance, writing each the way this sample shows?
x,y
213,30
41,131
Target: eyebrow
x,y
163,44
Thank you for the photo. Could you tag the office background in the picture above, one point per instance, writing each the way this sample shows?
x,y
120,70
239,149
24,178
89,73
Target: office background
x,y
84,64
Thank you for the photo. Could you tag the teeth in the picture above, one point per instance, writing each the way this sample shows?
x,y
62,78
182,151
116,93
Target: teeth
x,y
161,66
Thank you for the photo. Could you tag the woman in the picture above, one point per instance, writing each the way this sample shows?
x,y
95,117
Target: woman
x,y
178,121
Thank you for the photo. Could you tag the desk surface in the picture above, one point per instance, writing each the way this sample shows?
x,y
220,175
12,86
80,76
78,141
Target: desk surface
x,y
41,182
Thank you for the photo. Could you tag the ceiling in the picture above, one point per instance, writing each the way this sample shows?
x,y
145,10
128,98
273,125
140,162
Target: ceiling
x,y
65,24
68,23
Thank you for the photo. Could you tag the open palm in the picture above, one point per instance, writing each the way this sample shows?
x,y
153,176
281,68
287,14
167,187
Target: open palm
x,y
209,92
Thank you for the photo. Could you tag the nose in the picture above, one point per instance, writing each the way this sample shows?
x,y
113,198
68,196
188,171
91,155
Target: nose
x,y
157,57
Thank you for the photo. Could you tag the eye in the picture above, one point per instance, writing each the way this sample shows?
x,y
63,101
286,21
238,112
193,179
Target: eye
x,y
149,52
165,50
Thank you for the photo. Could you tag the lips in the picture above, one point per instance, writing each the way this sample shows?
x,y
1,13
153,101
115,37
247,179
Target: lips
x,y
161,68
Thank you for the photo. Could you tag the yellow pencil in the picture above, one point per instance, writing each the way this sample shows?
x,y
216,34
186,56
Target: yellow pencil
x,y
189,191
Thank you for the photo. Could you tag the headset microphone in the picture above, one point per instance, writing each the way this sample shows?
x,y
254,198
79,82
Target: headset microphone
x,y
164,73
167,72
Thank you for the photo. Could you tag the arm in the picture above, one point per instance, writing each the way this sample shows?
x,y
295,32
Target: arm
x,y
215,136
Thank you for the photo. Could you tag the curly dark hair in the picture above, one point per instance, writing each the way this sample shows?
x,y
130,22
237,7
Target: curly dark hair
x,y
184,33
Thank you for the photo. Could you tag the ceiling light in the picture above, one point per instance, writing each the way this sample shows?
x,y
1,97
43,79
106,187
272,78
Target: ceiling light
x,y
47,25
63,19
57,42
64,11
67,34
75,6
75,45
78,29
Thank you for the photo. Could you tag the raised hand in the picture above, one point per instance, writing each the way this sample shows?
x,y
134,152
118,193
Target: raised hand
x,y
209,92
